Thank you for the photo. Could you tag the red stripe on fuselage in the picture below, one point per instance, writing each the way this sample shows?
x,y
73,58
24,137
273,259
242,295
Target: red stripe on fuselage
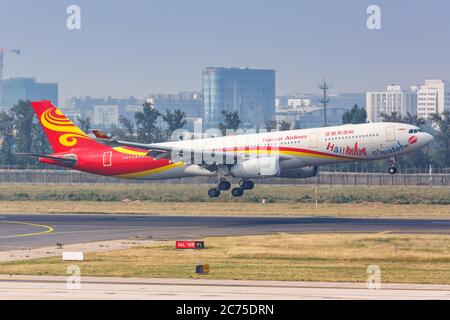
x,y
289,149
120,163
117,163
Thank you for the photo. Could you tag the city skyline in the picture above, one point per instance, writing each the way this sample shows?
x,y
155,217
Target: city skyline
x,y
133,49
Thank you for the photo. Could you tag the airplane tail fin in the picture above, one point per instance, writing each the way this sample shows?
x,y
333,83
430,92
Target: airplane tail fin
x,y
61,132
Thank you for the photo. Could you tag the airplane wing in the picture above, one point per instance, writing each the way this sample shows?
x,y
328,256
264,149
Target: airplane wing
x,y
158,151
63,161
106,139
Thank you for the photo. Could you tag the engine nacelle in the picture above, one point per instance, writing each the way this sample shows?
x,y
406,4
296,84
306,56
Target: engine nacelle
x,y
305,172
257,168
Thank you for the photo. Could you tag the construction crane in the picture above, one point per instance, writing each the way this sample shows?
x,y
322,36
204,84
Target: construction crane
x,y
2,53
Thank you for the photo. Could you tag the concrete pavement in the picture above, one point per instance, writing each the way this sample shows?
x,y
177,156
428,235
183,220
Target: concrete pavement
x,y
35,287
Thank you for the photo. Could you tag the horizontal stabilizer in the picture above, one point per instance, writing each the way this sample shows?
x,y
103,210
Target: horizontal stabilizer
x,y
61,160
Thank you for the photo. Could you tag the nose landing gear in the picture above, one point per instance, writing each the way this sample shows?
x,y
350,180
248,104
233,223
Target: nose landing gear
x,y
392,168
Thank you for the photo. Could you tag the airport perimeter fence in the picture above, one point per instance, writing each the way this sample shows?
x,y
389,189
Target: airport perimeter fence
x,y
324,178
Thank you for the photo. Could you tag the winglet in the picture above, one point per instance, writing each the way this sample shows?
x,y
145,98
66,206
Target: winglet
x,y
100,135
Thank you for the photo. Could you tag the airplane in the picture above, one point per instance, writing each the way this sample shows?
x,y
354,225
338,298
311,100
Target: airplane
x,y
284,154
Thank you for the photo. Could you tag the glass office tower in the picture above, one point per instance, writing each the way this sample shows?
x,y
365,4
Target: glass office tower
x,y
16,89
250,92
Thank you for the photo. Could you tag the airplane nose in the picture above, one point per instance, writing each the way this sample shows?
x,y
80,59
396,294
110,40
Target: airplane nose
x,y
427,138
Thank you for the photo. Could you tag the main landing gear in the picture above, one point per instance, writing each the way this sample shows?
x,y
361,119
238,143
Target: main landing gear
x,y
237,192
223,184
246,184
392,168
213,192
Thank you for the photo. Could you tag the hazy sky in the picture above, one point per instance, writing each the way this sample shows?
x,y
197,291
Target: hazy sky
x,y
140,47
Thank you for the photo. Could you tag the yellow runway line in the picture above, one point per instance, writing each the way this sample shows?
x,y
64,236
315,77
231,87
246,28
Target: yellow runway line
x,y
48,229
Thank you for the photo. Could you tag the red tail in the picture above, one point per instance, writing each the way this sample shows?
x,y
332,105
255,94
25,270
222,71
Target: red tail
x,y
62,134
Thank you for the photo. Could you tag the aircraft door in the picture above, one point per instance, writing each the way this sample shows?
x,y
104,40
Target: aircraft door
x,y
390,133
107,159
314,140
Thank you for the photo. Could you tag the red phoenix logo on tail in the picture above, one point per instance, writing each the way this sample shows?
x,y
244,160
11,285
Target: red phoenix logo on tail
x,y
61,132
54,120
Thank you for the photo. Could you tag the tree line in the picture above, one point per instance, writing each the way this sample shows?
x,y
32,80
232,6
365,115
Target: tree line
x,y
20,132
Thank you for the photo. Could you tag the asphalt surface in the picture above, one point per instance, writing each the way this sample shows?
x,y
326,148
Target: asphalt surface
x,y
45,287
19,231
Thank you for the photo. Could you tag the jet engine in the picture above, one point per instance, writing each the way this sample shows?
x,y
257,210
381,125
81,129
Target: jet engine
x,y
256,168
304,172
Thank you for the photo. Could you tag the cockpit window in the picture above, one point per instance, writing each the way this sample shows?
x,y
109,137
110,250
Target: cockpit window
x,y
415,130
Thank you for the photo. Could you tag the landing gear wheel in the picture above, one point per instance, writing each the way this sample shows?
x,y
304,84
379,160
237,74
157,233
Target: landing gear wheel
x,y
213,192
392,170
224,185
237,192
247,185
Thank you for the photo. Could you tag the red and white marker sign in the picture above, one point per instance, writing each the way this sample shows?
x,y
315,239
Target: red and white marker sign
x,y
189,245
185,244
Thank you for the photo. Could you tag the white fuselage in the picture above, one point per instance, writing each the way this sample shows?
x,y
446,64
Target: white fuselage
x,y
312,147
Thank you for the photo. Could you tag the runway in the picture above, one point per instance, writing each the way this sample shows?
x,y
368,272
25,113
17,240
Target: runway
x,y
18,231
37,287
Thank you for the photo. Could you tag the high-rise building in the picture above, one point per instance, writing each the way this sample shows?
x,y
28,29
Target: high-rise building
x,y
345,100
310,117
433,97
394,99
15,89
105,115
249,92
127,107
189,102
